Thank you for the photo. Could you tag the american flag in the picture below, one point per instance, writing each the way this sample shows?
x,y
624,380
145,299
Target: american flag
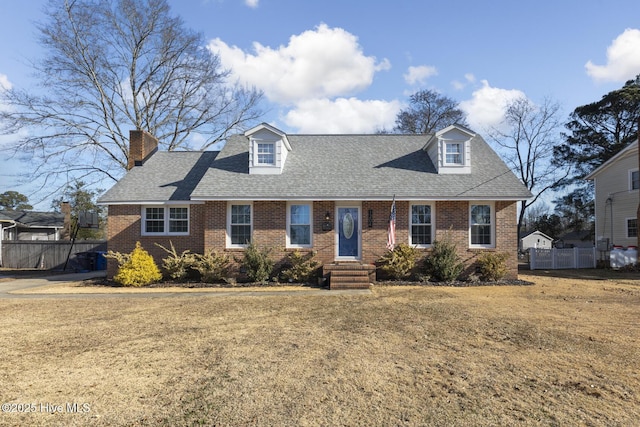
x,y
391,231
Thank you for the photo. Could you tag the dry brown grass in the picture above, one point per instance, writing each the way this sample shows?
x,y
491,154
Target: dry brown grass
x,y
564,351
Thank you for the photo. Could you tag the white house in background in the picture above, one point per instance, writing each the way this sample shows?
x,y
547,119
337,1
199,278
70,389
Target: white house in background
x,y
535,239
617,185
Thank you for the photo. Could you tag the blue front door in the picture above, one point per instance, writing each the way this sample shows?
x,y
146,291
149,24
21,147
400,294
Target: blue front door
x,y
348,233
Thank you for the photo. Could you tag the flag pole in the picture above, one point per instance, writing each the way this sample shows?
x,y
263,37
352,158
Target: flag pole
x,y
391,229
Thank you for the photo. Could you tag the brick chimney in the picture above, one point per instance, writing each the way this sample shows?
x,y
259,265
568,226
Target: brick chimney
x,y
141,146
65,208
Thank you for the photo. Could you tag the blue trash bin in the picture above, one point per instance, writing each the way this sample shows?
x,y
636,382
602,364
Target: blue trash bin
x,y
101,260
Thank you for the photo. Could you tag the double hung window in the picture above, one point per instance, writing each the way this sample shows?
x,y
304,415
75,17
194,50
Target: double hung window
x,y
165,220
421,222
453,153
266,153
482,225
632,227
299,229
634,180
239,225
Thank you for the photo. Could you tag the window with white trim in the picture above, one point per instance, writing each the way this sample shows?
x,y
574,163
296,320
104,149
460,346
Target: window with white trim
x,y
634,179
632,227
239,225
178,220
453,153
165,220
481,225
421,225
265,152
299,225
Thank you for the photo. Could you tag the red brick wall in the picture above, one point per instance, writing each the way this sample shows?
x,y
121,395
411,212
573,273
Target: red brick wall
x,y
208,230
125,229
452,219
269,225
323,241
215,220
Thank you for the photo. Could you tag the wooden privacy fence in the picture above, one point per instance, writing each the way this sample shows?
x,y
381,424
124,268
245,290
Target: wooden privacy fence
x,y
48,254
556,259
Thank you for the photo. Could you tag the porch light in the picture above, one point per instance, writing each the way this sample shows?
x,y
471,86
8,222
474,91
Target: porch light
x,y
326,224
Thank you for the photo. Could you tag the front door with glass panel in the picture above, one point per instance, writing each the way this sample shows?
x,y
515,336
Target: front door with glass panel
x,y
348,233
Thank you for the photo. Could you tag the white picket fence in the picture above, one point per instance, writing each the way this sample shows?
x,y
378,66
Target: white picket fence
x,y
555,259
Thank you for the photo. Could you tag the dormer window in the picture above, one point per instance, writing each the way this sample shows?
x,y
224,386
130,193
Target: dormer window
x,y
454,153
266,154
268,150
450,150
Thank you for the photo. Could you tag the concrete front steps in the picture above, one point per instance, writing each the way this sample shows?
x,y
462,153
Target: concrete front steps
x,y
349,275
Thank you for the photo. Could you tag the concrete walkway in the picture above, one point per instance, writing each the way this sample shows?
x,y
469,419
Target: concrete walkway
x,y
25,288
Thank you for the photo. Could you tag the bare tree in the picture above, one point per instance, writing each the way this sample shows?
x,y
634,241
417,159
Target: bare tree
x,y
429,111
526,140
111,66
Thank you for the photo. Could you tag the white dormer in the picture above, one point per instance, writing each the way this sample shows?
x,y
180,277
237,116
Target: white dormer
x,y
268,149
450,150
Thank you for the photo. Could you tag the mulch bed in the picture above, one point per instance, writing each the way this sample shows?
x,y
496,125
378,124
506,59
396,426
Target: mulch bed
x,y
456,283
272,284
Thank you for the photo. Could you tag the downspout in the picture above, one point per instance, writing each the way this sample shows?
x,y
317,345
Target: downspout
x,y
609,202
611,220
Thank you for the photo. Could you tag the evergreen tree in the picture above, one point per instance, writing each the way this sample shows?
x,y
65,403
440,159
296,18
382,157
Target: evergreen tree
x,y
14,201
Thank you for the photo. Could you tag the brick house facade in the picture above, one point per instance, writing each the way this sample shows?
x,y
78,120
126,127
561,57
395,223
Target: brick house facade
x,y
209,231
276,188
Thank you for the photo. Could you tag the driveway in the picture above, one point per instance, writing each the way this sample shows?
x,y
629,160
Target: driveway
x,y
18,284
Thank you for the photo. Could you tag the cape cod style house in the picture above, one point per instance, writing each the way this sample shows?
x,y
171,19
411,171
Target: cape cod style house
x,y
331,194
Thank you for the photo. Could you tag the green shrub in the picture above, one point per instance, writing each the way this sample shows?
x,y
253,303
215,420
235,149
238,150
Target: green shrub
x,y
212,266
177,266
257,264
400,262
119,257
299,267
139,269
493,265
443,264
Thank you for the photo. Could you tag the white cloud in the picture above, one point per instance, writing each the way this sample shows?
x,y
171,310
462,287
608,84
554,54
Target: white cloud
x,y
5,84
468,79
418,75
487,106
252,3
320,63
623,59
342,115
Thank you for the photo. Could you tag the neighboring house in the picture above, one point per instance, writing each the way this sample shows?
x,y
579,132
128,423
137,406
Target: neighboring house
x,y
30,225
331,194
617,182
535,239
576,239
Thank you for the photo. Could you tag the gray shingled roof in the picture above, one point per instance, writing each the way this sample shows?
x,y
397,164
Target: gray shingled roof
x,y
165,176
358,167
34,219
321,167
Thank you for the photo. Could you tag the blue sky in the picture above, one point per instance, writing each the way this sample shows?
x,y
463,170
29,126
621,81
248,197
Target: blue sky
x,y
341,66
